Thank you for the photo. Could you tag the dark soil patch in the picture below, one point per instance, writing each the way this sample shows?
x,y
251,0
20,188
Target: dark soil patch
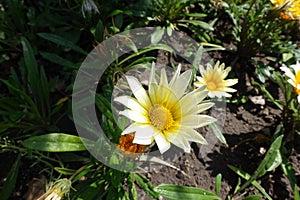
x,y
248,138
248,129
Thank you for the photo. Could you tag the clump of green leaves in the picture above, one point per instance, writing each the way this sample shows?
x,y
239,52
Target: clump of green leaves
x,y
258,28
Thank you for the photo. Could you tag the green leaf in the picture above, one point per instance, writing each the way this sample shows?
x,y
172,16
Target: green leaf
x,y
11,180
146,185
132,190
214,127
196,15
54,58
37,80
55,142
147,49
61,41
72,157
99,33
202,24
270,162
23,96
288,170
296,193
197,60
64,171
247,176
266,92
177,192
157,35
218,184
253,197
115,12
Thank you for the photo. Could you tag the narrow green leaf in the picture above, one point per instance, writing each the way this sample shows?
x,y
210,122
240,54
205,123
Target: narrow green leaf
x,y
196,15
197,59
218,184
132,192
247,176
267,93
61,41
146,185
64,171
24,96
267,163
288,170
115,12
31,65
55,142
202,24
99,32
177,192
152,47
11,180
296,193
214,127
54,58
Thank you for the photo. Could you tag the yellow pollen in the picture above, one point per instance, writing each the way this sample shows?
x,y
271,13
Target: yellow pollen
x,y
297,82
160,117
297,77
211,86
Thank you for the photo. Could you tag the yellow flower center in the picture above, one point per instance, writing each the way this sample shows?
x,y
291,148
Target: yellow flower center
x,y
160,117
211,86
297,82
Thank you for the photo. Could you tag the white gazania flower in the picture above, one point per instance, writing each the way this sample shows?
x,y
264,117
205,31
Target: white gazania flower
x,y
294,77
166,113
214,78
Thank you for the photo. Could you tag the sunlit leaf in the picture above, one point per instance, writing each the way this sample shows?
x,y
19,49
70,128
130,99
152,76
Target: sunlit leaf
x,y
177,192
55,142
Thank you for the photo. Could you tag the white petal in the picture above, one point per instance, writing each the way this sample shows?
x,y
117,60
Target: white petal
x,y
176,75
163,78
152,74
298,98
200,79
180,141
143,135
138,91
230,82
180,85
135,116
292,82
162,143
192,135
130,129
131,103
202,71
197,121
225,72
200,108
189,101
296,67
228,89
161,94
153,87
288,72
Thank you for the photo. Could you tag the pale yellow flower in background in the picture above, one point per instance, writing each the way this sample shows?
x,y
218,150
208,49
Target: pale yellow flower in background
x,y
57,190
166,113
214,78
290,8
294,77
